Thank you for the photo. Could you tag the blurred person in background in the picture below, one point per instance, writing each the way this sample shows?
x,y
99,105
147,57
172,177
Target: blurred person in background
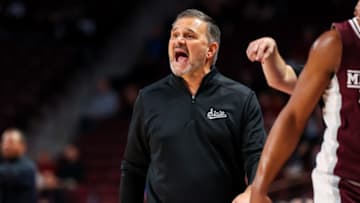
x,y
129,94
70,169
195,136
332,72
51,189
45,162
17,171
104,104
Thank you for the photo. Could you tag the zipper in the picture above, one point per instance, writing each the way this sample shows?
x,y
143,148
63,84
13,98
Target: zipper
x,y
193,108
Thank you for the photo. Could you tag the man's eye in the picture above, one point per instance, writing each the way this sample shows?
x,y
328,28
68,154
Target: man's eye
x,y
174,35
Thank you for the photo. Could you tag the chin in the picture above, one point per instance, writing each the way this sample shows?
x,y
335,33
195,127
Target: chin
x,y
180,71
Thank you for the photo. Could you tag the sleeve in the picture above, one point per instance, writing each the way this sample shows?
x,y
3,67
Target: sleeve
x,y
136,159
297,69
254,136
18,174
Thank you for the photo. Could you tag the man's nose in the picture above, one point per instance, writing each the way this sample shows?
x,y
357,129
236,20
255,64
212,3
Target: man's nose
x,y
180,40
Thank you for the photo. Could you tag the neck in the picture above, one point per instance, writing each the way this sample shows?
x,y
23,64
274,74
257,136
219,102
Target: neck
x,y
12,158
193,80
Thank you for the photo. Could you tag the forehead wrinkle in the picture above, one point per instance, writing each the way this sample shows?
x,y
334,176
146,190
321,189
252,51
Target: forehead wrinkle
x,y
186,29
192,27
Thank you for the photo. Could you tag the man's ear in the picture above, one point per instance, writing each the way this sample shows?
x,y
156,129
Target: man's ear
x,y
212,49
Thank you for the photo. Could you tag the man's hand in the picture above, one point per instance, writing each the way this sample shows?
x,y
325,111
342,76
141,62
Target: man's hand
x,y
261,49
243,197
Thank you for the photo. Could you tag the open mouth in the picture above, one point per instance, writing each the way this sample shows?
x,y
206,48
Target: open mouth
x,y
181,55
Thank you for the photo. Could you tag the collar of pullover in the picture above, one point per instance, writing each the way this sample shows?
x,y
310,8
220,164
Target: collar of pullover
x,y
179,81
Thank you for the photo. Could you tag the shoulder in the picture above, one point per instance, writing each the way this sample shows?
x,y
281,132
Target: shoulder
x,y
328,39
154,92
233,87
326,51
346,24
29,164
157,86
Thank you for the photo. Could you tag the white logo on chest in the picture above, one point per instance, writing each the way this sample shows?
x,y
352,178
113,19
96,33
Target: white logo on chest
x,y
216,114
353,80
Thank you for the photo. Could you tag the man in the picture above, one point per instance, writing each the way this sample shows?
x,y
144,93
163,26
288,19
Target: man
x,y
278,73
195,134
332,71
17,172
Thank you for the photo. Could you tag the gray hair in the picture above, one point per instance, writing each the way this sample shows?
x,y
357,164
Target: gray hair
x,y
213,33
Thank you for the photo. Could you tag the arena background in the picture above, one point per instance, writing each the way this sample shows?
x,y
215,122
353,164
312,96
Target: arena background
x,y
70,71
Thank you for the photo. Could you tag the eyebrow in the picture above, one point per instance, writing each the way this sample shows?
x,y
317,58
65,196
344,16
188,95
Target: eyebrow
x,y
187,29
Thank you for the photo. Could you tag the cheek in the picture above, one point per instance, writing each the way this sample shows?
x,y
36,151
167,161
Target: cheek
x,y
199,52
170,48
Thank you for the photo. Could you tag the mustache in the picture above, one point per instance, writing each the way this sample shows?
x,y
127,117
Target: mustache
x,y
181,47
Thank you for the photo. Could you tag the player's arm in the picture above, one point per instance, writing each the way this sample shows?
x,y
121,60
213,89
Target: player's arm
x,y
323,61
136,159
278,74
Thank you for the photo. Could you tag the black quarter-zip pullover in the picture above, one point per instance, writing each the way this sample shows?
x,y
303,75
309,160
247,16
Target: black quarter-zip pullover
x,y
188,148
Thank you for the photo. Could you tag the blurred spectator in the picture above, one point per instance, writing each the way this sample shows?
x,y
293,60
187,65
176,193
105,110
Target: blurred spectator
x,y
129,94
104,105
45,163
87,26
154,45
255,10
50,189
17,172
16,9
271,104
70,168
105,102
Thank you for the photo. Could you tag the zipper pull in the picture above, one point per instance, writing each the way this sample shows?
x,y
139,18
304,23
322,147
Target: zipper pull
x,y
193,99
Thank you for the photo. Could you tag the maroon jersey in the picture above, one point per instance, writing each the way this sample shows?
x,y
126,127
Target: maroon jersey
x,y
339,157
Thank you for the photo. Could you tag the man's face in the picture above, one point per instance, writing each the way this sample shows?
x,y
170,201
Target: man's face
x,y
11,145
357,9
71,153
188,45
